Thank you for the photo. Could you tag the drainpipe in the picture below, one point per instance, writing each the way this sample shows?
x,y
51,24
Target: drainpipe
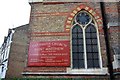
x,y
105,28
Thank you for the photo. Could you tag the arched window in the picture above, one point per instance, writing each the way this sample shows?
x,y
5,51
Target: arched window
x,y
85,48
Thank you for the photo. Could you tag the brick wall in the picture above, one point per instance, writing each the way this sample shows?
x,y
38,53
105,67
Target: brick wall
x,y
18,52
113,15
48,22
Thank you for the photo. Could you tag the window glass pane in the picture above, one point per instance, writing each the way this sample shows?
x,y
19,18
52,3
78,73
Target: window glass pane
x,y
88,41
80,41
79,29
80,48
90,64
95,56
81,64
80,36
90,28
74,36
93,35
74,30
89,56
93,64
95,48
75,64
94,41
96,64
81,56
75,41
89,48
92,56
88,35
74,49
75,56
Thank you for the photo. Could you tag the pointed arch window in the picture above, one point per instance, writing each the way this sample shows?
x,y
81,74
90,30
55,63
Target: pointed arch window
x,y
85,42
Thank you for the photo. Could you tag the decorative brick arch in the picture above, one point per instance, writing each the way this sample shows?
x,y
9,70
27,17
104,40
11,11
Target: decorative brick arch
x,y
70,18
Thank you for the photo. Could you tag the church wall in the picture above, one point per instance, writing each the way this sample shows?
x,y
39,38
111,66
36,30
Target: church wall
x,y
48,23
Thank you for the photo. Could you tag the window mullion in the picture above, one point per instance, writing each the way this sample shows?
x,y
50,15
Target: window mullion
x,y
84,44
77,49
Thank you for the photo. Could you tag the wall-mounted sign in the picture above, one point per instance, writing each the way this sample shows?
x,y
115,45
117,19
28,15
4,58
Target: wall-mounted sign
x,y
49,53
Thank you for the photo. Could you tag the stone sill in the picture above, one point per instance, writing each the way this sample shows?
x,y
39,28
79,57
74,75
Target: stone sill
x,y
102,71
59,74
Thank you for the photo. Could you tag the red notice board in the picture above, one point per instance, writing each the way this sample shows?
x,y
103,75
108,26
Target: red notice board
x,y
49,53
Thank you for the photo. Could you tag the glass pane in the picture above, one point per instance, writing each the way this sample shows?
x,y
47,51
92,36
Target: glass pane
x,y
95,56
89,48
81,64
93,30
88,41
96,64
74,36
90,28
75,56
80,35
89,56
88,35
80,48
80,41
95,48
74,49
79,29
93,35
75,64
81,56
74,41
90,63
74,30
94,41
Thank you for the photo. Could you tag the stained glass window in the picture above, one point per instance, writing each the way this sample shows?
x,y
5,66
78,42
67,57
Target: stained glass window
x,y
83,18
84,42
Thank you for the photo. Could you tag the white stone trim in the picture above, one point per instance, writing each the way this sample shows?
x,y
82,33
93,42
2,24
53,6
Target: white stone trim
x,y
102,71
74,72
